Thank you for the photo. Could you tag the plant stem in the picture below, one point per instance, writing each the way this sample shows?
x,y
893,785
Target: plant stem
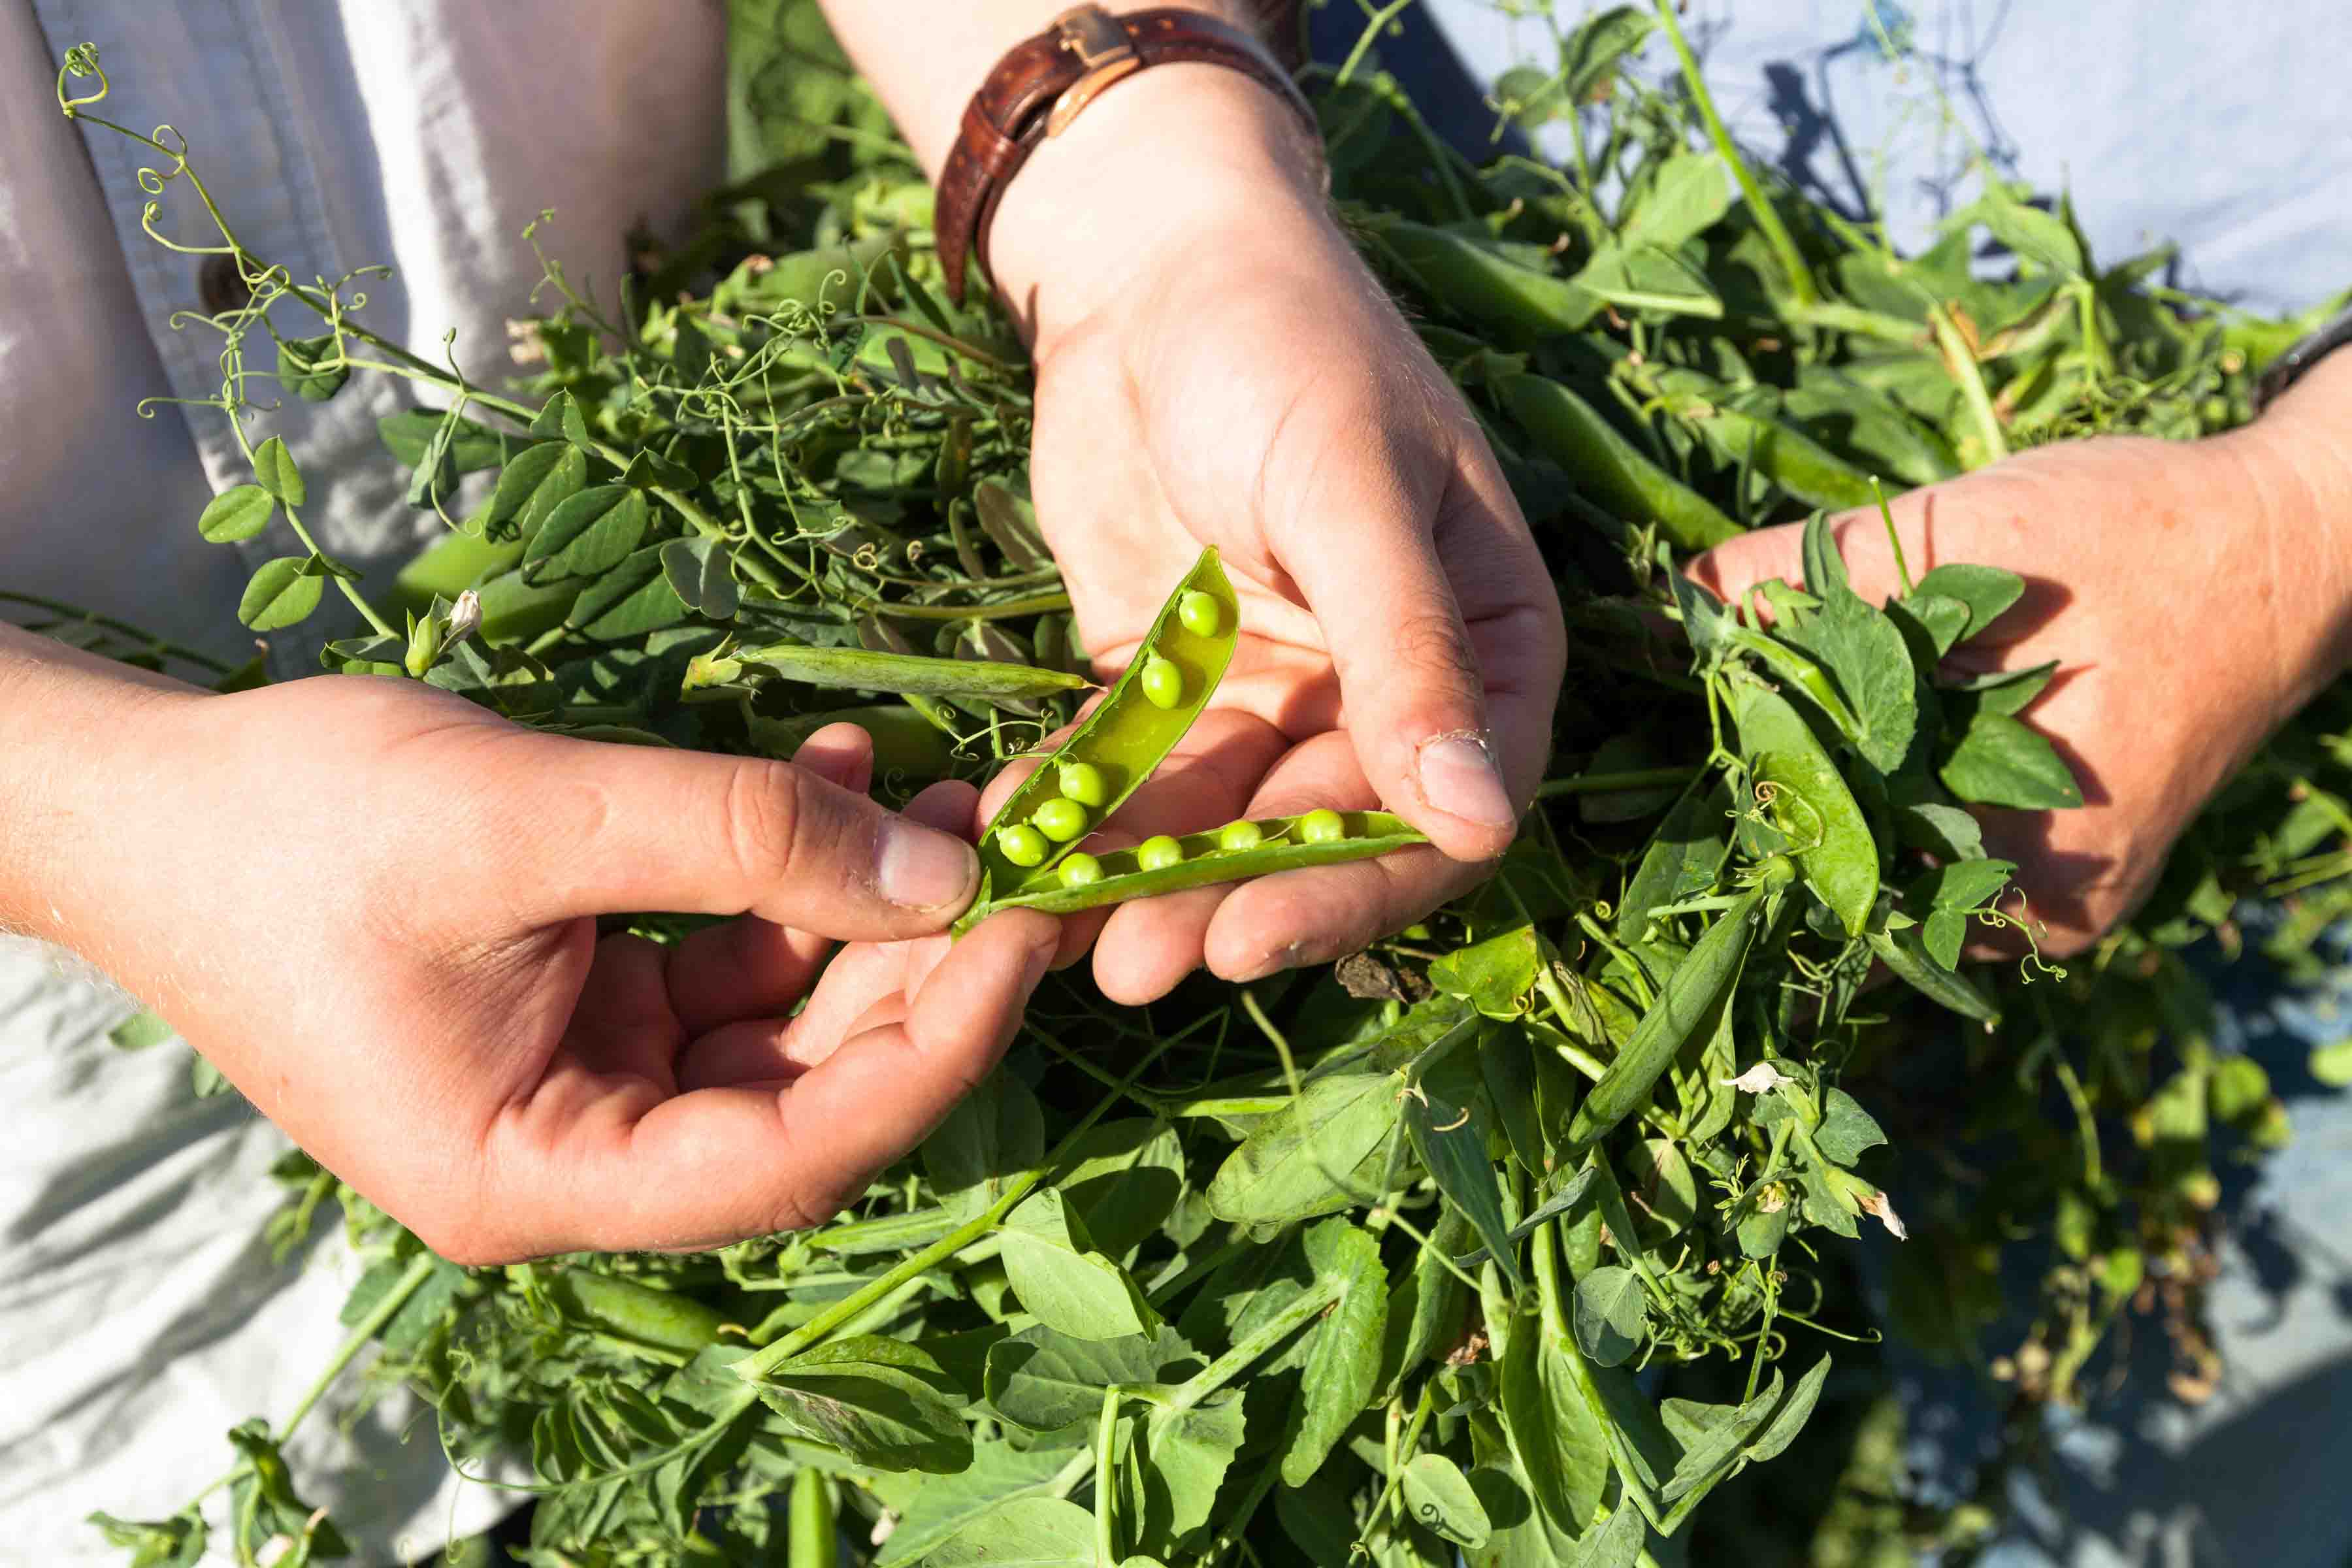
x,y
760,1363
1105,1438
1961,363
1776,233
1603,784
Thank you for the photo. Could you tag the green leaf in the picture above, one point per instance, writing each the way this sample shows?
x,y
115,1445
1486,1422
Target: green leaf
x,y
1612,1314
1445,1117
1494,975
282,594
1343,1366
273,465
560,420
1598,46
701,574
1987,590
1689,194
2039,238
238,512
588,534
1124,1180
1043,1380
1304,1160
299,360
263,1503
628,600
1846,1129
1177,1460
1562,1448
649,470
1616,1544
881,1401
1027,1533
1962,885
1789,1418
1999,762
995,1132
1439,1497
941,1507
535,481
1061,1281
410,435
176,1542
1940,621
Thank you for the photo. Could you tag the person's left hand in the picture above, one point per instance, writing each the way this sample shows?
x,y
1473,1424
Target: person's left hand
x,y
1230,373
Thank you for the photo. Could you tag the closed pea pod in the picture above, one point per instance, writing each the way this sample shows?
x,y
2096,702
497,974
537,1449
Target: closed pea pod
x,y
1568,431
1123,739
814,1533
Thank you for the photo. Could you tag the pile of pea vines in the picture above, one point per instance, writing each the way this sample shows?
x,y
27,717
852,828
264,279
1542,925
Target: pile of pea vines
x,y
1524,1234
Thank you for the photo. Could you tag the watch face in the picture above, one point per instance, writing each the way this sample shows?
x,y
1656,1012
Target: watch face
x,y
2288,368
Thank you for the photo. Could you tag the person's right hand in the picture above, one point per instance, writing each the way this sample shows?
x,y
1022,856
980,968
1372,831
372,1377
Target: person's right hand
x,y
373,907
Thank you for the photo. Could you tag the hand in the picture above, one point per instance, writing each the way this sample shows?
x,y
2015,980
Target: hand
x,y
2190,596
1216,367
373,907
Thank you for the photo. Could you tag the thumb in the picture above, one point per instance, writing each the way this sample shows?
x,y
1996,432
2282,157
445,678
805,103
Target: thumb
x,y
621,828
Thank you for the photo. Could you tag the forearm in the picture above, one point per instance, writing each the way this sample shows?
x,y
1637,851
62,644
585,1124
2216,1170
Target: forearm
x,y
71,754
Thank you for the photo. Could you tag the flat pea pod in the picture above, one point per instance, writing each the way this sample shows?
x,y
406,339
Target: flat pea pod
x,y
1686,1008
901,674
1801,791
814,1527
1571,433
1202,859
1786,456
1482,281
1127,734
1803,674
661,1318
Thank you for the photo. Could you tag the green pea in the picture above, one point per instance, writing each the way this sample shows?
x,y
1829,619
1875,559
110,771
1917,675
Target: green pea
x,y
1162,683
1199,614
1022,846
1240,835
1158,853
1063,821
1081,870
1084,783
1324,827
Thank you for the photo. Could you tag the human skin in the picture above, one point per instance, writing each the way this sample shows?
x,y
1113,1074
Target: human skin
x,y
373,906
2194,594
1216,367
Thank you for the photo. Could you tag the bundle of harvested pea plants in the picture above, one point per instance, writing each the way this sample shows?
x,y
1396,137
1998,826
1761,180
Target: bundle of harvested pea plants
x,y
1520,1236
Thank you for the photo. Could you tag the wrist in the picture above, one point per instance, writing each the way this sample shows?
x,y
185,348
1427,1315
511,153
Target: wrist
x,y
2294,466
76,733
1147,178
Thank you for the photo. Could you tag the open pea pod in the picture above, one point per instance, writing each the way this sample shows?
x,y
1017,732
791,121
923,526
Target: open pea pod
x,y
1272,843
1116,747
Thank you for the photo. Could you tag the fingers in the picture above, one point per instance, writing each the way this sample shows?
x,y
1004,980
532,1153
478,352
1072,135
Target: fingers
x,y
629,827
717,1165
1419,678
751,967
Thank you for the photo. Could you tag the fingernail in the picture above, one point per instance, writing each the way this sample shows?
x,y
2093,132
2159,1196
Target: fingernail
x,y
919,869
1459,776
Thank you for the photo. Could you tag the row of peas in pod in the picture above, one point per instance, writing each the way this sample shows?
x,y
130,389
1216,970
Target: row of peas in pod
x,y
1029,854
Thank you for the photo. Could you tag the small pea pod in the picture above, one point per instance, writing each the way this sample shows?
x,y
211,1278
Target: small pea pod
x,y
903,673
1698,988
1786,456
1233,853
1480,280
1113,748
814,1531
663,1320
1568,431
1801,791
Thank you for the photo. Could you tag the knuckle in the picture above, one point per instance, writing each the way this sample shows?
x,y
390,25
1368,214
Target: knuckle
x,y
760,810
1429,647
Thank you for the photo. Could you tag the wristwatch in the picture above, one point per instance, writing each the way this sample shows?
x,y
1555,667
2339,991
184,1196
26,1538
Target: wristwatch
x,y
2289,367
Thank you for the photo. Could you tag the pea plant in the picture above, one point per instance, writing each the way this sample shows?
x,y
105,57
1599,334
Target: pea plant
x,y
1519,1238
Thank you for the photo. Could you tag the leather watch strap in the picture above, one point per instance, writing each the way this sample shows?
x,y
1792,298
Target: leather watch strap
x,y
1042,83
